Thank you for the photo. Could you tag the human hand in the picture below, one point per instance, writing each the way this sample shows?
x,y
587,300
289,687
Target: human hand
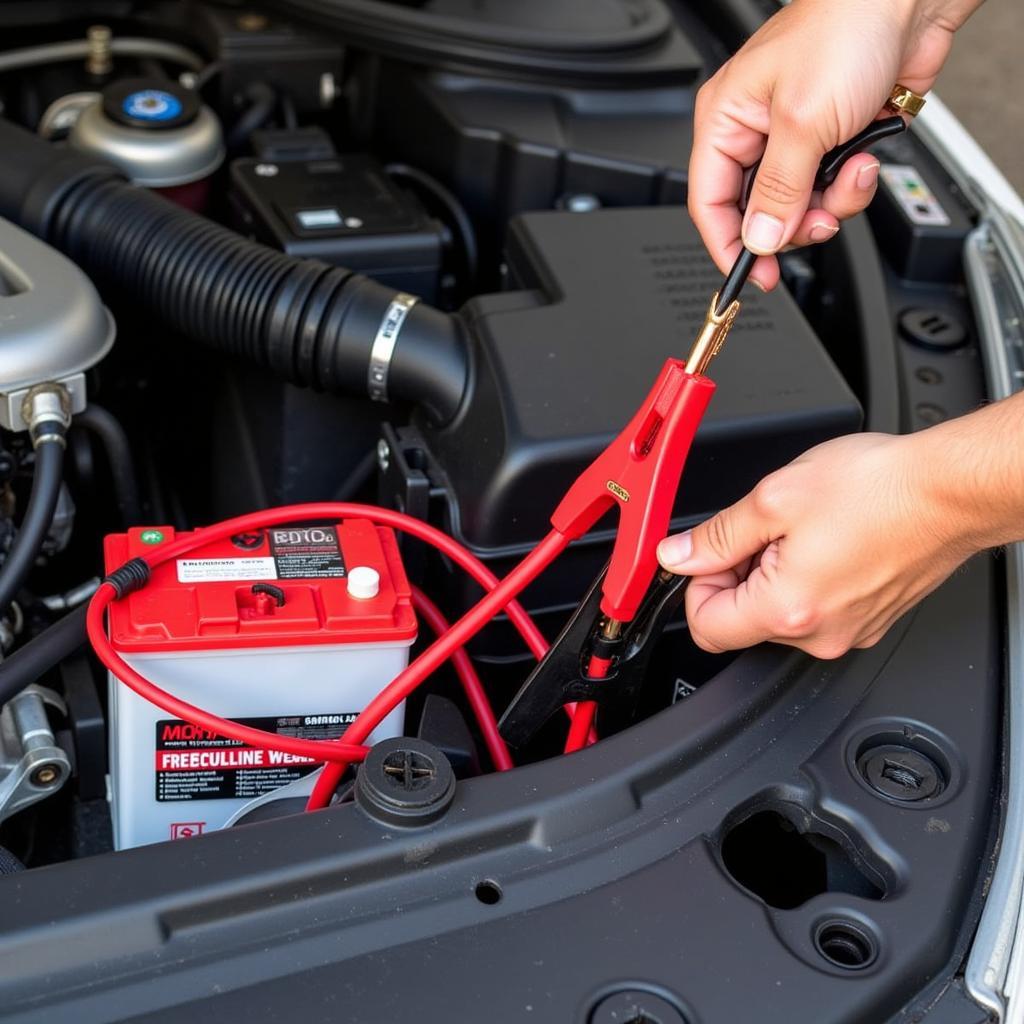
x,y
828,552
810,78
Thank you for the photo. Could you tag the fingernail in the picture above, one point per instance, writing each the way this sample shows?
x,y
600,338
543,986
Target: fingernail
x,y
867,176
757,284
674,551
763,233
823,232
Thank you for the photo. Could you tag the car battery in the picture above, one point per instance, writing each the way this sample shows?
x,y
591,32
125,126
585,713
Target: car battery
x,y
292,630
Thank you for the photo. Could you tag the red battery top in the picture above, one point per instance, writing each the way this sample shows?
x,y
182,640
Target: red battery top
x,y
283,586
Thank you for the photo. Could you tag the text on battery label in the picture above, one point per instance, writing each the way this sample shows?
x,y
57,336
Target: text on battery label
x,y
213,570
307,552
245,757
192,763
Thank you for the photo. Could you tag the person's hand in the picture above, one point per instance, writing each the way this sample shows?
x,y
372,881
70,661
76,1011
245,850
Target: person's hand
x,y
813,76
827,552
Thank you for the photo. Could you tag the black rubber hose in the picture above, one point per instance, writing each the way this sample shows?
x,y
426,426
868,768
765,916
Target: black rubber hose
x,y
262,103
35,524
455,210
111,435
30,663
310,323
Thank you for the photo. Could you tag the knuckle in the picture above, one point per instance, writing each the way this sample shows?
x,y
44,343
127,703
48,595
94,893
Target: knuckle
x,y
704,642
693,206
770,497
779,185
703,99
794,116
797,620
828,648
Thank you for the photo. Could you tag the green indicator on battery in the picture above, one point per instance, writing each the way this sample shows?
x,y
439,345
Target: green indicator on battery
x,y
151,536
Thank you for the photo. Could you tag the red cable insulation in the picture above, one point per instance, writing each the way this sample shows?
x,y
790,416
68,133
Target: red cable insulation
x,y
580,731
436,654
339,753
316,750
474,690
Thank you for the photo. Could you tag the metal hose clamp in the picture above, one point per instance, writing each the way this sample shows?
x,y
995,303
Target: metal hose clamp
x,y
384,345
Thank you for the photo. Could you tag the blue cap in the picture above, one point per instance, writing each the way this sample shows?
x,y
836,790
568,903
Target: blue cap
x,y
152,105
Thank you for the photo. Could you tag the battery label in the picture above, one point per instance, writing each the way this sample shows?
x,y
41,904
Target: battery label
x,y
306,552
213,570
196,764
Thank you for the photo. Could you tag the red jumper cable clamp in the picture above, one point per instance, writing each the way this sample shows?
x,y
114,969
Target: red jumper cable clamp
x,y
602,654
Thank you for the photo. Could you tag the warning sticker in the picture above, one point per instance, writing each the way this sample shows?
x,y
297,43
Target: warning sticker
x,y
213,570
307,552
917,199
195,764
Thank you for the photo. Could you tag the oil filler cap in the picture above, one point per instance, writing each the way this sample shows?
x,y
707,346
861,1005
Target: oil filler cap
x,y
405,781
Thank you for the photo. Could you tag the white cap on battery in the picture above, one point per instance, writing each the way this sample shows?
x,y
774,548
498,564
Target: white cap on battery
x,y
363,582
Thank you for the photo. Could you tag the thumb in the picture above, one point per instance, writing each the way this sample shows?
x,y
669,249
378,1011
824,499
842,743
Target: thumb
x,y
717,544
783,183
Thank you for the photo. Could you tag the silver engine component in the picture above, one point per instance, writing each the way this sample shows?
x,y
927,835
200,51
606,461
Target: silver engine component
x,y
53,326
157,133
32,766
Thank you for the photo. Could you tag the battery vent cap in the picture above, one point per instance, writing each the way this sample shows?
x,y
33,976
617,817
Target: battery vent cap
x,y
363,583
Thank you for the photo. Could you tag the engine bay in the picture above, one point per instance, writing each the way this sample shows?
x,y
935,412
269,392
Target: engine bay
x,y
429,258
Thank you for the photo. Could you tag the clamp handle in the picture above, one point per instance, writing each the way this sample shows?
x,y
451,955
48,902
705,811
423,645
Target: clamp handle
x,y
640,472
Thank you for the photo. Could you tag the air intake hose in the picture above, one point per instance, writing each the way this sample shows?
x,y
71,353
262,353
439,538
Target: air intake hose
x,y
312,324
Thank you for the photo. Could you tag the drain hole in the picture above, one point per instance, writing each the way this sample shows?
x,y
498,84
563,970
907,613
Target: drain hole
x,y
785,868
488,892
845,946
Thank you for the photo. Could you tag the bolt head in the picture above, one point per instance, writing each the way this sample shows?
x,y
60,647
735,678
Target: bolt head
x,y
45,775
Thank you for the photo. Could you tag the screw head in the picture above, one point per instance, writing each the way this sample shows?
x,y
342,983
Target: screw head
x,y
383,455
45,775
901,773
635,1006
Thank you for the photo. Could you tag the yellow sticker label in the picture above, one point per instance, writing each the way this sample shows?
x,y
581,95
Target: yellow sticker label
x,y
618,490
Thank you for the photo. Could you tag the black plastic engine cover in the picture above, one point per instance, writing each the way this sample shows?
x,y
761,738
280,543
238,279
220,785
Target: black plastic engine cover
x,y
561,365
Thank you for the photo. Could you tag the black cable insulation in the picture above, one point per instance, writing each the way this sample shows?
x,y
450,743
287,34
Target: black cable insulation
x,y
828,169
31,662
